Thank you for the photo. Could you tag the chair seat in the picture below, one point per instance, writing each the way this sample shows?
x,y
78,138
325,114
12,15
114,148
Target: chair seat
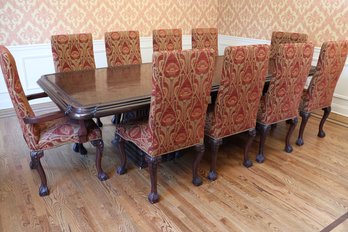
x,y
64,130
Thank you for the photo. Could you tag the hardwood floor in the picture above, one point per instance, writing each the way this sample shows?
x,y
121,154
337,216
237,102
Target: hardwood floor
x,y
303,191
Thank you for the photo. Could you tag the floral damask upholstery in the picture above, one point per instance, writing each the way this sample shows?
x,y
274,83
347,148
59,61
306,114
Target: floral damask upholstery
x,y
205,38
167,39
279,37
122,48
72,52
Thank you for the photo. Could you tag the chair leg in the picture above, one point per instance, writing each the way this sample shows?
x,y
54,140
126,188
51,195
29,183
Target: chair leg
x,y
78,147
152,162
122,168
196,180
99,123
293,123
35,163
327,111
247,162
305,116
116,119
99,144
263,130
215,144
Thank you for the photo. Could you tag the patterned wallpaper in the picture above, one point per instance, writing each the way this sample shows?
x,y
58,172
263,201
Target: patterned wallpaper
x,y
322,20
34,21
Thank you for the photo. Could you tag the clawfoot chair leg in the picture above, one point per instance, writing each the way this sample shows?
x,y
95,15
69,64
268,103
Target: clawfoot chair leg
x,y
122,168
305,116
293,123
214,150
35,163
247,162
99,144
263,130
196,180
327,111
78,147
152,162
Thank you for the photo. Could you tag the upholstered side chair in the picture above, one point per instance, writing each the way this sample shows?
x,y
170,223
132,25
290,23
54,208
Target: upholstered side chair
x,y
167,39
332,58
281,102
45,131
74,52
181,85
205,38
243,77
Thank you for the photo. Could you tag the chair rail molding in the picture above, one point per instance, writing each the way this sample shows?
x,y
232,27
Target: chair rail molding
x,y
35,60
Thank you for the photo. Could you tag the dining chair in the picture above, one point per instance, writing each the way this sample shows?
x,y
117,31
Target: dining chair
x,y
74,52
332,58
167,39
280,37
181,85
282,100
205,38
243,77
42,132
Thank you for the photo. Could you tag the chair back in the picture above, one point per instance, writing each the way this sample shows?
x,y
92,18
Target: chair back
x,y
293,62
332,58
167,39
72,52
19,100
205,38
122,48
279,37
181,85
243,77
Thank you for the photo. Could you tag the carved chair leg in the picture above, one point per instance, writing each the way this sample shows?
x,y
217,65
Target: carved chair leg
x,y
152,162
293,123
99,123
196,180
35,162
99,144
327,111
305,116
215,144
247,162
263,130
78,147
122,168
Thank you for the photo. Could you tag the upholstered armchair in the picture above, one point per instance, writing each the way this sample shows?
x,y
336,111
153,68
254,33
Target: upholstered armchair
x,y
281,102
332,58
181,85
45,131
205,38
73,52
243,77
167,40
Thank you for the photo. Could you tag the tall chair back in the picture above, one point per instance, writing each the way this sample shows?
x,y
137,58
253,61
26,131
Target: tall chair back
x,y
205,38
167,40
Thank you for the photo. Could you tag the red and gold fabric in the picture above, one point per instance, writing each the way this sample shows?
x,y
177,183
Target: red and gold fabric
x,y
205,38
167,39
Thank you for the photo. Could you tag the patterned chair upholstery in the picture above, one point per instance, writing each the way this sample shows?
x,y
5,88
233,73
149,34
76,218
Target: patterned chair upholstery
x,y
45,131
332,58
279,37
73,53
205,38
167,40
281,102
181,85
243,77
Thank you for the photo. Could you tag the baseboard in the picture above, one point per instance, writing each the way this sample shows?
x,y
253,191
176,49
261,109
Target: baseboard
x,y
333,117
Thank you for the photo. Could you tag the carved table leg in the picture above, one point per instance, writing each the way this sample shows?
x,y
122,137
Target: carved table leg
x,y
263,129
247,162
152,162
215,143
116,119
78,147
293,123
305,116
122,168
327,111
196,180
35,160
99,144
99,122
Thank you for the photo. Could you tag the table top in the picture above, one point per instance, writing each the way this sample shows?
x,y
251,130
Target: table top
x,y
105,91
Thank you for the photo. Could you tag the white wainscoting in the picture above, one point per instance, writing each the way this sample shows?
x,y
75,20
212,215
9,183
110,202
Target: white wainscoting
x,y
33,61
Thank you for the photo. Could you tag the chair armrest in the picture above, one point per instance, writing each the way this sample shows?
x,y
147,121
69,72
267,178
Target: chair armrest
x,y
44,117
36,95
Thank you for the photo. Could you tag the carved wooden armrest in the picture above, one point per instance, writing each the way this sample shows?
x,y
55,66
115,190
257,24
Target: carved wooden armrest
x,y
44,117
36,95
